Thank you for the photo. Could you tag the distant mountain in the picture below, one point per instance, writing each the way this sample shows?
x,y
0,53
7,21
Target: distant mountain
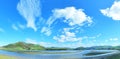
x,y
99,48
22,46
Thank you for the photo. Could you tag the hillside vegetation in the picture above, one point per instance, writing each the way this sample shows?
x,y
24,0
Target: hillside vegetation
x,y
22,46
99,48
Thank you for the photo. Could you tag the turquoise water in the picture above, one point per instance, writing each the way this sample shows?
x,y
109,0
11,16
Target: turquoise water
x,y
70,54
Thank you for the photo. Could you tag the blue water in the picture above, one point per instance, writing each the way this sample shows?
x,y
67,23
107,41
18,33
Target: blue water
x,y
74,54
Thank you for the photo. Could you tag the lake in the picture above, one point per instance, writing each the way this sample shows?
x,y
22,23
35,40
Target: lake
x,y
65,54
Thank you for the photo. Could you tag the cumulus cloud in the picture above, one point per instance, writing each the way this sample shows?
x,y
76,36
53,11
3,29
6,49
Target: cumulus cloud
x,y
113,11
67,36
29,9
72,16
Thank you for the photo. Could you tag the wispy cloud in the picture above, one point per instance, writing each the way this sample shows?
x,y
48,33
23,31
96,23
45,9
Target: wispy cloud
x,y
30,9
21,26
92,37
18,26
47,44
113,11
46,31
14,27
42,43
114,39
28,40
2,30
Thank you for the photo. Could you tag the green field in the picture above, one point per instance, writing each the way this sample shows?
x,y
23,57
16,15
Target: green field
x,y
8,57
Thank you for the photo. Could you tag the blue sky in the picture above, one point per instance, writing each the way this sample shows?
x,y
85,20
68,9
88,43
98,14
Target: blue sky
x,y
60,23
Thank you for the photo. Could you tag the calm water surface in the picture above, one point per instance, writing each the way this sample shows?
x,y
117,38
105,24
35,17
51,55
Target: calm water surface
x,y
69,54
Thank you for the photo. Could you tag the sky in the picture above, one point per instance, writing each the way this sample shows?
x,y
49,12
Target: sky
x,y
60,23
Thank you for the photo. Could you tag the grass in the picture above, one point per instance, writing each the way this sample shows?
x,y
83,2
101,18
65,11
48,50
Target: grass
x,y
7,57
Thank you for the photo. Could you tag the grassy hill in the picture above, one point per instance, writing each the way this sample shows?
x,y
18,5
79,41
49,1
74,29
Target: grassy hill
x,y
22,46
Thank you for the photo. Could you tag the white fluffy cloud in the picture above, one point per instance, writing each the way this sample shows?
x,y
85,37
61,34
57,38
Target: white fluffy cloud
x,y
113,11
67,36
29,9
75,18
72,16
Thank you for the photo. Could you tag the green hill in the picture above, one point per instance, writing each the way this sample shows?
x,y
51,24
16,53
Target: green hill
x,y
22,46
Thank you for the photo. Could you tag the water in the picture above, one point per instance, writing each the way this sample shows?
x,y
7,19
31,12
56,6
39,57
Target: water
x,y
69,54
